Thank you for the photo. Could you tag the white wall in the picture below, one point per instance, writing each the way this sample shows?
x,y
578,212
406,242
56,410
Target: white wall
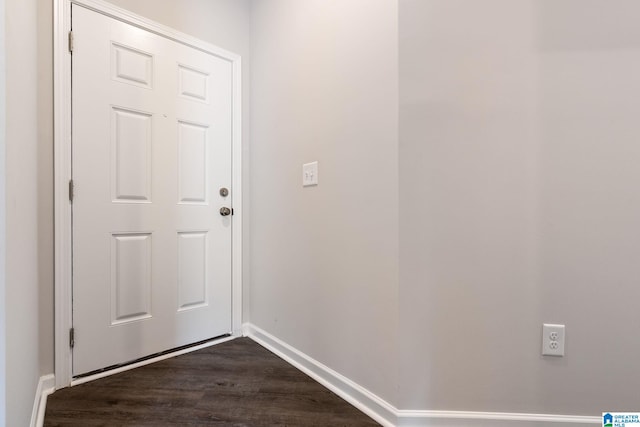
x,y
21,210
3,218
45,184
324,259
519,204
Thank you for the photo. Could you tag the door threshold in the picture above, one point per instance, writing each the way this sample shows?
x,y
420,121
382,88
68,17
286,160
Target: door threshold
x,y
147,360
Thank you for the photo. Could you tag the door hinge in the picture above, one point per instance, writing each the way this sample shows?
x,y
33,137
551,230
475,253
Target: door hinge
x,y
72,337
71,190
71,41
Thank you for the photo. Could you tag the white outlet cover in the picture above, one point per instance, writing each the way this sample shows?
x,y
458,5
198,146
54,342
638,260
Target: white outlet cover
x,y
553,337
310,174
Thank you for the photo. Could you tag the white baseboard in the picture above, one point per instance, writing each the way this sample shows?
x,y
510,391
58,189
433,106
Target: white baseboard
x,y
353,393
388,415
408,418
46,386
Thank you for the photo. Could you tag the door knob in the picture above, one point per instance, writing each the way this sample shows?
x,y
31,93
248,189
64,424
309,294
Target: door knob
x,y
225,211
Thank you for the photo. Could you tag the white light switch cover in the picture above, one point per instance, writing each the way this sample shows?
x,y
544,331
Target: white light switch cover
x,y
310,174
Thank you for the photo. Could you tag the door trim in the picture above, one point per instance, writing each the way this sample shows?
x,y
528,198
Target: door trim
x,y
62,168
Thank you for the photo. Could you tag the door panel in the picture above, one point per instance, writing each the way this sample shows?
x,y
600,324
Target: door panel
x,y
151,147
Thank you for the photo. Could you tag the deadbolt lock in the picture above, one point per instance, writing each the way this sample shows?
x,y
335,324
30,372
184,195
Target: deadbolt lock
x,y
224,192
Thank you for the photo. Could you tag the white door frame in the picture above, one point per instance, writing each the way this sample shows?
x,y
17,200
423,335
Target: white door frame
x,y
62,168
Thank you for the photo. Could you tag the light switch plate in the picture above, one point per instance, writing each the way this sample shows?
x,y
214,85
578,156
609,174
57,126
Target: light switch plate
x,y
310,174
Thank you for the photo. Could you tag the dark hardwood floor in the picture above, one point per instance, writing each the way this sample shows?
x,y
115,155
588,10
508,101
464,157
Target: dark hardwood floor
x,y
236,383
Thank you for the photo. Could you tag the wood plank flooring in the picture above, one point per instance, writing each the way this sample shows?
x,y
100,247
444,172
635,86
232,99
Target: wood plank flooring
x,y
236,383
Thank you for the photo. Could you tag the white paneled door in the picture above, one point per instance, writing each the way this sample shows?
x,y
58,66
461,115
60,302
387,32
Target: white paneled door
x,y
151,151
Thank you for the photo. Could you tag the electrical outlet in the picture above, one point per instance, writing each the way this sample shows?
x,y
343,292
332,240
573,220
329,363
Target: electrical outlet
x,y
552,340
